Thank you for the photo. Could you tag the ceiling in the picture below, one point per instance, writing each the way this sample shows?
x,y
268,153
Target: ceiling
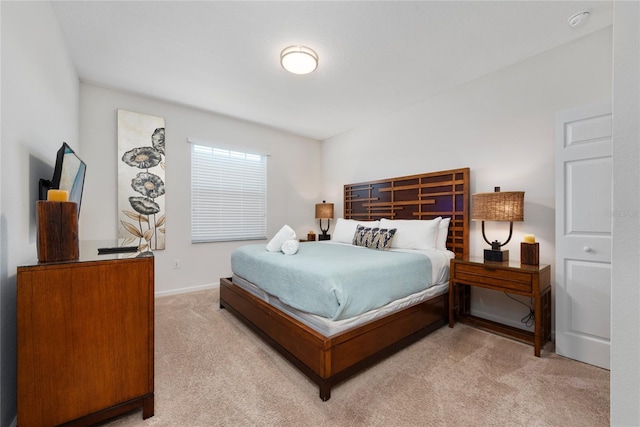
x,y
375,57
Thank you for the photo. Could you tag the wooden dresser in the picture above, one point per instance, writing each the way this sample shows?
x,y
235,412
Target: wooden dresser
x,y
85,339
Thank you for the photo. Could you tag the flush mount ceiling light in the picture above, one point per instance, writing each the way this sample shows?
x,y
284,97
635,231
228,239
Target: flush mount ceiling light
x,y
579,18
299,59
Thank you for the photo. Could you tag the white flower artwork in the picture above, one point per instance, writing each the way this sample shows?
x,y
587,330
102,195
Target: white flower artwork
x,y
141,181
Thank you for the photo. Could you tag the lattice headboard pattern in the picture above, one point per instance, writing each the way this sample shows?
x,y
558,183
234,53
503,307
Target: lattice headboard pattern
x,y
424,196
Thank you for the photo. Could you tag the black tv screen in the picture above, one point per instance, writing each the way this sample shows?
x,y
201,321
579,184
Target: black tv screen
x,y
68,175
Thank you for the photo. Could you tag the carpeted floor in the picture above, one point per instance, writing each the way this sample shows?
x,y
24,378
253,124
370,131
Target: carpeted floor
x,y
210,370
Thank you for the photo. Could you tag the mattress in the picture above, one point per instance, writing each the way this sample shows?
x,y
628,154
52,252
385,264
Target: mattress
x,y
328,327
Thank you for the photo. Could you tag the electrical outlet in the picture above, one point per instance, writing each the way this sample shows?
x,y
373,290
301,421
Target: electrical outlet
x,y
176,263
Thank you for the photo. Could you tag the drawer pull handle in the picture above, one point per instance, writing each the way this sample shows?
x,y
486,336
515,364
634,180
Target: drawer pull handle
x,y
489,268
587,249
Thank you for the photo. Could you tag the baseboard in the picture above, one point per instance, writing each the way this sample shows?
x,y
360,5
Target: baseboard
x,y
187,290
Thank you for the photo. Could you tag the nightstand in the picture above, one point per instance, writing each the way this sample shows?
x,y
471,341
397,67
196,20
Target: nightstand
x,y
511,277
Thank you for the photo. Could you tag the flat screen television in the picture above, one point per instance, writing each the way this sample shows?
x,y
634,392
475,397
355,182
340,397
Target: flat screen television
x,y
68,174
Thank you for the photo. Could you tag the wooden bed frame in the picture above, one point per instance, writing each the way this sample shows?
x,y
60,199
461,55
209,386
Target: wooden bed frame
x,y
330,360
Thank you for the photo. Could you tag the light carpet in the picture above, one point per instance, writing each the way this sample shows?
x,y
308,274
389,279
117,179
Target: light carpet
x,y
210,370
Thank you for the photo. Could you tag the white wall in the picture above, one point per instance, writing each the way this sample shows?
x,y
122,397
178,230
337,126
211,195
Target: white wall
x,y
40,94
294,173
501,126
625,295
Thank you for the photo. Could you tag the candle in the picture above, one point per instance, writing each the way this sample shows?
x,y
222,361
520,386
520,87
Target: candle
x,y
57,195
529,238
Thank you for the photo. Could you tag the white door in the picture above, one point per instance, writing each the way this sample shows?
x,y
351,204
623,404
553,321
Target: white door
x,y
583,233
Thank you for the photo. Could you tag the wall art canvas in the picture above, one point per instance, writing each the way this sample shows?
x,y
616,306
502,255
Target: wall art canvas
x,y
141,181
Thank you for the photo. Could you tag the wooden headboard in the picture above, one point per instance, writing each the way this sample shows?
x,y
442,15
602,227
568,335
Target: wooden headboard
x,y
424,196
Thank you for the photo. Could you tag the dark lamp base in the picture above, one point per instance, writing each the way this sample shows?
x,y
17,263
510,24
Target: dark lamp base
x,y
324,236
497,256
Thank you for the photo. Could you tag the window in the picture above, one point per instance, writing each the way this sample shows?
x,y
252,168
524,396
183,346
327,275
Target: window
x,y
228,195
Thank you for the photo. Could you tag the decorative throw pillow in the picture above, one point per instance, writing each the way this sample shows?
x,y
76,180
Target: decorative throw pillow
x,y
382,238
363,236
374,238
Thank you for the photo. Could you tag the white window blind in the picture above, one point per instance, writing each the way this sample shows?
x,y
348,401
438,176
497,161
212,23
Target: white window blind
x,y
228,195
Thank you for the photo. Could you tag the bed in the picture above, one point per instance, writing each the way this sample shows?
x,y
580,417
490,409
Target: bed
x,y
330,351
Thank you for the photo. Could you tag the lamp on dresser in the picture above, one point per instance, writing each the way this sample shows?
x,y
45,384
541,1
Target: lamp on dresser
x,y
324,210
497,206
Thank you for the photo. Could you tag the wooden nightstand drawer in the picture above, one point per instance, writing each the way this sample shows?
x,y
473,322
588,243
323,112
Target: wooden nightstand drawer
x,y
492,276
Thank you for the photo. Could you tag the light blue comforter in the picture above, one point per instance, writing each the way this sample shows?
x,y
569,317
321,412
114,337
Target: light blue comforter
x,y
333,280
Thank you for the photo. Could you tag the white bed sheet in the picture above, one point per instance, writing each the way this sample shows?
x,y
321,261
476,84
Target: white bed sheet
x,y
328,327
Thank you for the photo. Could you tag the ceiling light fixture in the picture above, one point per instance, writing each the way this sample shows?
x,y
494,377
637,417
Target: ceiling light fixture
x,y
579,18
299,59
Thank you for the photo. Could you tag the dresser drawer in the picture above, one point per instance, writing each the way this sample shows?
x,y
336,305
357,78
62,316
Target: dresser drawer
x,y
493,276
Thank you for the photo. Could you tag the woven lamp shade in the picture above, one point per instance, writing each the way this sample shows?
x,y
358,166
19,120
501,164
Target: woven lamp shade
x,y
498,206
324,210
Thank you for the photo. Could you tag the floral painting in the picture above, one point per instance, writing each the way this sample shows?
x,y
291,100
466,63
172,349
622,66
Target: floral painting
x,y
141,181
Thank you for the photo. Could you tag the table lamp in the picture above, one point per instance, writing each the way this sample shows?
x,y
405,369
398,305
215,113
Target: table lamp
x,y
324,210
497,206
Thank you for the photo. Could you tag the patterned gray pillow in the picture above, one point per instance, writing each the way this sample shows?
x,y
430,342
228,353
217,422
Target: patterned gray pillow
x,y
363,236
374,238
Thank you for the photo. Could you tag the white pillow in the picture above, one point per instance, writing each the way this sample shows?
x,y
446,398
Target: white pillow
x,y
290,247
413,233
346,228
285,233
443,232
